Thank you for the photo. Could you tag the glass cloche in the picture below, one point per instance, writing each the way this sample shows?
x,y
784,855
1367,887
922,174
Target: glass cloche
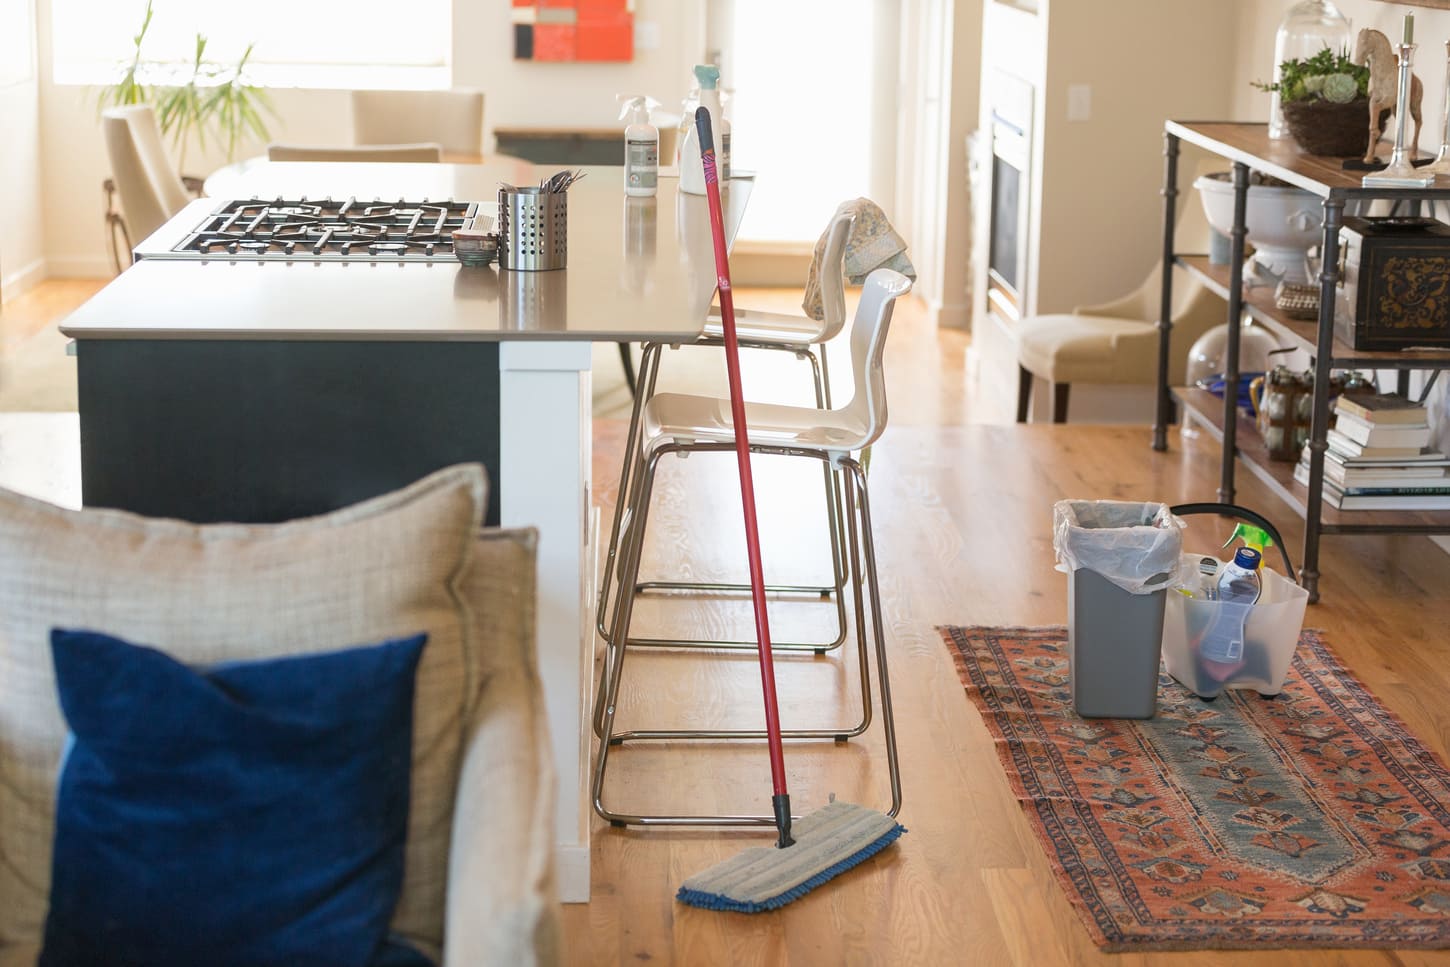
x,y
1308,27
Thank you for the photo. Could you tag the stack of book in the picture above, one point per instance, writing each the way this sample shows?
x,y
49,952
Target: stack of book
x,y
1379,458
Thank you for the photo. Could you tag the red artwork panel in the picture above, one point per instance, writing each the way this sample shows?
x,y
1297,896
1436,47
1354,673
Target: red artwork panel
x,y
554,42
601,40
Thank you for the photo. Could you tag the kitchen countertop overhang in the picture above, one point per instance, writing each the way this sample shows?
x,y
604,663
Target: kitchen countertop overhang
x,y
639,269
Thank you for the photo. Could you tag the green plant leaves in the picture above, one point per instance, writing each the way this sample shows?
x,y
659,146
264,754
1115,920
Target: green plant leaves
x,y
1309,79
213,101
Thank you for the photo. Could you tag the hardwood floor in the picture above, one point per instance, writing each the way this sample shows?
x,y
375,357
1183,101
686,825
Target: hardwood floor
x,y
962,513
963,527
25,315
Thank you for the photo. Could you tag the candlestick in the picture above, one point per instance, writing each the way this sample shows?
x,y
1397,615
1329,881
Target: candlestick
x,y
1400,173
1442,160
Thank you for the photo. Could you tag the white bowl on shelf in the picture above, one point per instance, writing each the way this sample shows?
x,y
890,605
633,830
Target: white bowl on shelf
x,y
1283,223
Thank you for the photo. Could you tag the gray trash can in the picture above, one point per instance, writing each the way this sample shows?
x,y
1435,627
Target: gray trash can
x,y
1121,559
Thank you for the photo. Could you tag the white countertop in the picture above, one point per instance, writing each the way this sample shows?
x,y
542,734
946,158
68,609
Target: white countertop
x,y
639,269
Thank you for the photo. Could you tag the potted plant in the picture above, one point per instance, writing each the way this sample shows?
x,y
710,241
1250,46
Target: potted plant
x,y
200,98
1325,101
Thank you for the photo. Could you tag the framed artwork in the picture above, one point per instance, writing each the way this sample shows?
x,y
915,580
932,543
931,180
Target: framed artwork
x,y
573,30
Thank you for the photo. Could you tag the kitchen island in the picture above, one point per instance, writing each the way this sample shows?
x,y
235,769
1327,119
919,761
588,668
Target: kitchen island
x,y
223,387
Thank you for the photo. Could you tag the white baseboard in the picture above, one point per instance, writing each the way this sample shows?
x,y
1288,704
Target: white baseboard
x,y
955,316
572,866
80,267
23,279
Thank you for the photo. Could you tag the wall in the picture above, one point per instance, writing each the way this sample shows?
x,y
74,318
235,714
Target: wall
x,y
1101,212
22,231
517,93
937,105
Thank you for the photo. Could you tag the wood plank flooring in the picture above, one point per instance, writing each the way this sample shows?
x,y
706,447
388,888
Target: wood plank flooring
x,y
963,529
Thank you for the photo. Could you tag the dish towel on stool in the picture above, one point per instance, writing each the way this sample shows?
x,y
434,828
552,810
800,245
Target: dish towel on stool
x,y
873,243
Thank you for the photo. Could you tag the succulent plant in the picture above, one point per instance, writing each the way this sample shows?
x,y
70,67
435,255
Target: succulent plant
x,y
1340,88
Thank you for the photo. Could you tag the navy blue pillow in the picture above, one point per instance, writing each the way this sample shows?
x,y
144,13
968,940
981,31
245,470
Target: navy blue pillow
x,y
245,814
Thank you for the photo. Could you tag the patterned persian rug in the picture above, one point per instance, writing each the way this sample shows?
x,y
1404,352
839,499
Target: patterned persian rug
x,y
1311,820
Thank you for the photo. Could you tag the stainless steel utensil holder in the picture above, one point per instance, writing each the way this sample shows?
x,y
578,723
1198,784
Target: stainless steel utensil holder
x,y
533,229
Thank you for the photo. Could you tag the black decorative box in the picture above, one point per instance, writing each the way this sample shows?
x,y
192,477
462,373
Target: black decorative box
x,y
1394,291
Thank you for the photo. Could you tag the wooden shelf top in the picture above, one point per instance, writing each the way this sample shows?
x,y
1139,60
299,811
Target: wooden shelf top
x,y
1279,475
1250,144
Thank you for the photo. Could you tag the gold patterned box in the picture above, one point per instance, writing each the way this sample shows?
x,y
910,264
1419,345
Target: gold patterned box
x,y
1394,290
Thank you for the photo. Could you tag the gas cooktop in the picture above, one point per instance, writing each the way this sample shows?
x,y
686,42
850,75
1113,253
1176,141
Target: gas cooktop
x,y
324,230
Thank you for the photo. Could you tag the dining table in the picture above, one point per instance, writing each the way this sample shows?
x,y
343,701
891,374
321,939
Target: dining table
x,y
219,388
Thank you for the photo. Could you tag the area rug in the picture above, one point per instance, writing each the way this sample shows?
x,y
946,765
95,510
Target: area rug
x,y
1311,820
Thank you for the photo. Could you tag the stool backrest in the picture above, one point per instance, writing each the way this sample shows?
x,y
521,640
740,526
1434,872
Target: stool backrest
x,y
833,274
867,409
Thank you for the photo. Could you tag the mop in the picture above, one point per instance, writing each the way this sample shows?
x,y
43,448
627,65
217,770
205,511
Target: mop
x,y
837,837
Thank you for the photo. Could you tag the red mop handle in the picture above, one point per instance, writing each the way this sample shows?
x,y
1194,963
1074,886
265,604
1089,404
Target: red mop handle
x,y
742,452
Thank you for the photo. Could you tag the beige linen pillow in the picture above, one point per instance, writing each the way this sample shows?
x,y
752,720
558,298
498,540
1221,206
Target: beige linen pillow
x,y
389,566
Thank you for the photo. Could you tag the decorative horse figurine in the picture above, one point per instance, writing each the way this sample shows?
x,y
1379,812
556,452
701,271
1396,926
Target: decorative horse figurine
x,y
1372,49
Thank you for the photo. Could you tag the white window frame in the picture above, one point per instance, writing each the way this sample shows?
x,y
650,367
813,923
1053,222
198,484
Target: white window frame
x,y
91,41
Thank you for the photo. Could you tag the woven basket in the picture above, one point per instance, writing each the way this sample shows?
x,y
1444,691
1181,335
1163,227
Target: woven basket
x,y
1326,128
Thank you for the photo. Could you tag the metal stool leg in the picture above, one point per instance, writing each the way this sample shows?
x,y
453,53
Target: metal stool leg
x,y
612,672
632,535
834,528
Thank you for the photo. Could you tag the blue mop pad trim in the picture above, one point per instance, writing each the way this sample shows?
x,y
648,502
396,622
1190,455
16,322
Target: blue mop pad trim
x,y
716,901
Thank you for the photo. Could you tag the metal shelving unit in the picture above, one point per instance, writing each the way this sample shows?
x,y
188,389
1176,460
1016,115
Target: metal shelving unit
x,y
1246,147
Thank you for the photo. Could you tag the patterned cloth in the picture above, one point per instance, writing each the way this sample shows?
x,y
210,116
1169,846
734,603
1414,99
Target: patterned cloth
x,y
1311,820
872,244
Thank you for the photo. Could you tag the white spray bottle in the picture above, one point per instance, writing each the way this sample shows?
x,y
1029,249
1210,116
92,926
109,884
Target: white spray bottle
x,y
692,174
641,146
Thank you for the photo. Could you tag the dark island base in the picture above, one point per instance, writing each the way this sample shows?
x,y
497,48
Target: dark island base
x,y
266,431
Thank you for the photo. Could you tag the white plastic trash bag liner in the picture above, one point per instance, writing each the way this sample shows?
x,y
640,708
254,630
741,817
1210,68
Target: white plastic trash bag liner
x,y
1134,545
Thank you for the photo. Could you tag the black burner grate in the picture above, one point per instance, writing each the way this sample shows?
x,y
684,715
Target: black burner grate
x,y
304,229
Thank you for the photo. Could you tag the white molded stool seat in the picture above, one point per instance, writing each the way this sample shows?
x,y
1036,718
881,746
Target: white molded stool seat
x,y
774,327
681,418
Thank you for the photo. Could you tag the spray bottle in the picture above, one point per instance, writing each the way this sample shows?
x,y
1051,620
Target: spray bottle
x,y
641,145
692,175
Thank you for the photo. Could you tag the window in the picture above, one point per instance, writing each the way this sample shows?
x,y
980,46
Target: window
x,y
298,43
812,91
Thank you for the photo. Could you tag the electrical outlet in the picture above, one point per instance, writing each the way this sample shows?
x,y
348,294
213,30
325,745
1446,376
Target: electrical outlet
x,y
1079,102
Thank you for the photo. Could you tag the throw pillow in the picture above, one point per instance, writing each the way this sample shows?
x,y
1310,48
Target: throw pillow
x,y
250,813
385,568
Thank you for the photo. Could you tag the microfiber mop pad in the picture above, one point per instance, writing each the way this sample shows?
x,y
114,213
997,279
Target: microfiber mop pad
x,y
828,841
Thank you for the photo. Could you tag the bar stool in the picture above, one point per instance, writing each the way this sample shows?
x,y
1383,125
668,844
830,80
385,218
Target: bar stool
x,y
806,338
674,423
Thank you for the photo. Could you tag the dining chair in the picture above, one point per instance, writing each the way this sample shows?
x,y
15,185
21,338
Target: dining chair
x,y
806,338
453,119
681,424
1114,343
375,152
142,176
